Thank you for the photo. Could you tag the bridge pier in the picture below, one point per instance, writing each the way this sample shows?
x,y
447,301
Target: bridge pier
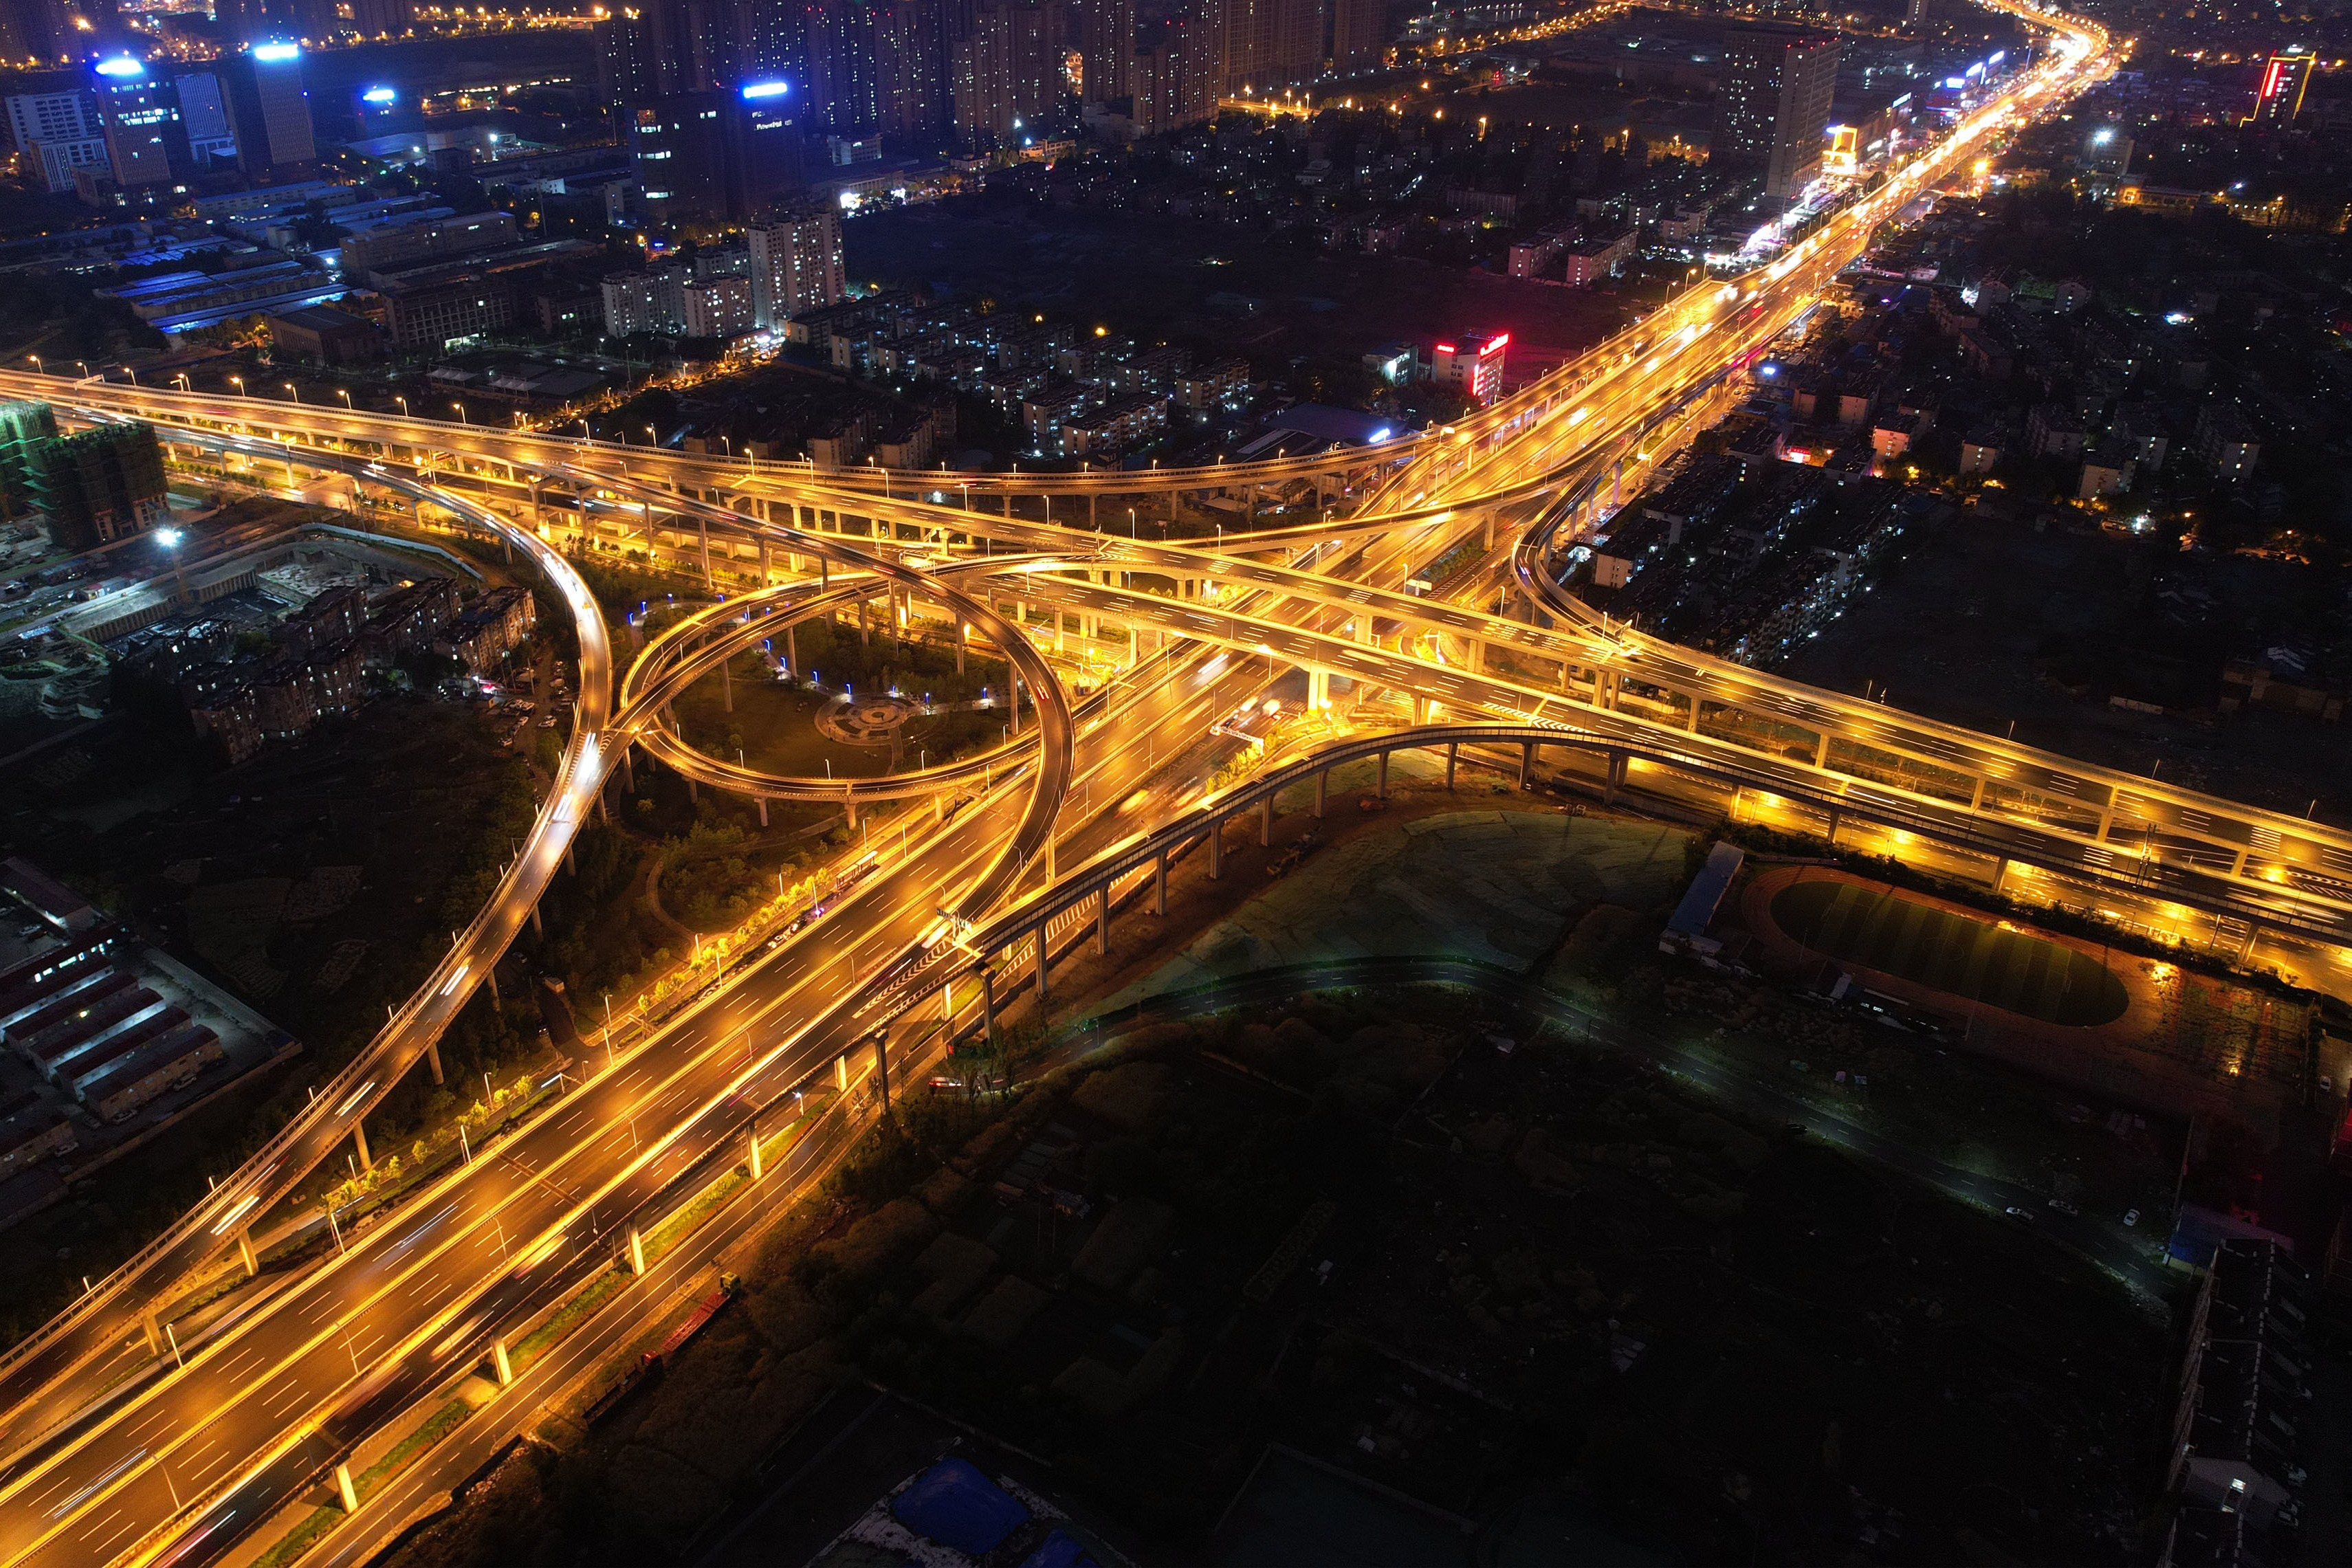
x,y
1160,886
882,1066
727,684
1322,781
1102,924
988,1000
1043,963
1216,850
1835,818
754,1140
2246,948
358,1140
1265,821
1527,762
253,1264
1999,873
792,653
433,1060
762,801
1614,779
1382,789
1453,755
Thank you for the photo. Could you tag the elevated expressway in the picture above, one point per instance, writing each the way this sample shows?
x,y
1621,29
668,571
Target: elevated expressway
x,y
1580,687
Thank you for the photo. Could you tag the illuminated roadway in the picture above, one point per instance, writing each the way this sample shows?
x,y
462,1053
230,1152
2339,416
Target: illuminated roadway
x,y
416,1284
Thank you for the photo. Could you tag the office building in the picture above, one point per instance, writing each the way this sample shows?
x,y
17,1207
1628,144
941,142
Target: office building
x,y
1773,105
145,143
717,157
99,485
57,133
795,266
204,121
2279,99
1472,361
272,112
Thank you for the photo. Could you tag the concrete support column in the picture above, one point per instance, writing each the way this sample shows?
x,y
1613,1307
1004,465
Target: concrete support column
x,y
501,1366
1453,756
1160,886
1527,762
988,1002
1265,821
1216,850
792,651
1999,873
245,1252
636,1251
727,684
1044,962
1102,924
1382,789
537,927
359,1139
841,1073
344,1490
1322,783
1835,818
702,525
882,1065
1614,779
762,801
433,1060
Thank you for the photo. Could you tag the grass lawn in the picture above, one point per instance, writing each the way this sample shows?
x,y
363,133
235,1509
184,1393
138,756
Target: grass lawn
x,y
1956,954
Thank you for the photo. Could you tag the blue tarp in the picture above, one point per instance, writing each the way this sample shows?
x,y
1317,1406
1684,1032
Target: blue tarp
x,y
953,1504
1058,1550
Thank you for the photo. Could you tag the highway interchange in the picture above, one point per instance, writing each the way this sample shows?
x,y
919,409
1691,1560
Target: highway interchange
x,y
115,1453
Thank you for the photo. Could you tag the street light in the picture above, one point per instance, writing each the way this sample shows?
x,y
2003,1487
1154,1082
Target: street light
x,y
36,363
461,412
346,396
292,389
403,402
239,382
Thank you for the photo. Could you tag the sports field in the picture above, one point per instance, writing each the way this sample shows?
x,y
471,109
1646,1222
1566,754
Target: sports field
x,y
1973,959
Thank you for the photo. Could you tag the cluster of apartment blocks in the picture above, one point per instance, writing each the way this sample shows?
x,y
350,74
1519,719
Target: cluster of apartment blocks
x,y
1605,234
320,658
781,268
1744,559
77,1015
1072,395
2244,1398
1873,415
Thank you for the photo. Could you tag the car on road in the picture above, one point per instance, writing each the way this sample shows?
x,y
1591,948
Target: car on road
x,y
2014,1212
2131,1218
2063,1207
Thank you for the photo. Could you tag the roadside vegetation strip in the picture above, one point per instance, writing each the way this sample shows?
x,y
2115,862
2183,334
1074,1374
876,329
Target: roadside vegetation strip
x,y
316,1525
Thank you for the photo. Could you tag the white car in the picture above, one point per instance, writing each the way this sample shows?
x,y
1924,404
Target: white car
x,y
2131,1218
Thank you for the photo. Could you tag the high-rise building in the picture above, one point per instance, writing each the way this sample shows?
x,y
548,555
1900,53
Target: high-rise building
x,y
714,157
1266,43
715,307
99,485
23,427
204,118
1774,104
1105,39
909,57
145,142
2279,99
1359,31
58,132
272,111
845,85
1914,14
1175,77
1040,43
32,30
796,266
981,76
